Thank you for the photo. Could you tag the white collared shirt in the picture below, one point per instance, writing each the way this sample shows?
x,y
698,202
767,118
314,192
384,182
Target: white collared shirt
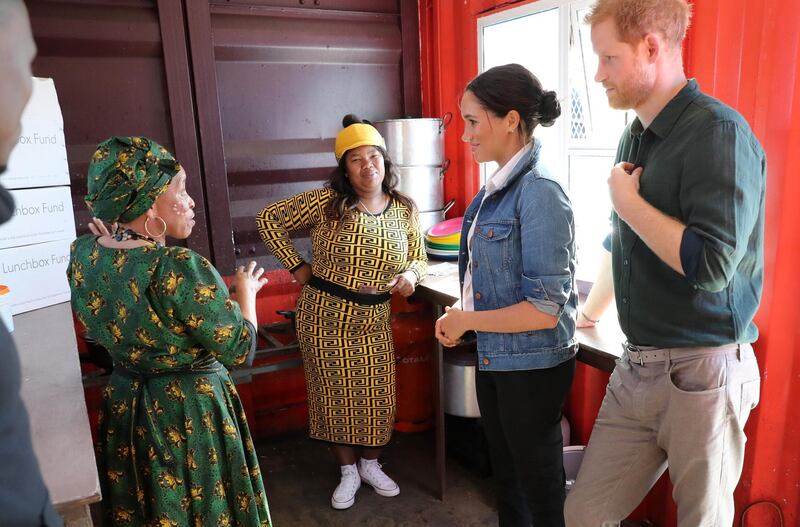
x,y
495,182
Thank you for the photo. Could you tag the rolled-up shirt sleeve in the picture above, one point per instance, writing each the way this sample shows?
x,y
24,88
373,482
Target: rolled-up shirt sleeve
x,y
547,240
720,200
691,251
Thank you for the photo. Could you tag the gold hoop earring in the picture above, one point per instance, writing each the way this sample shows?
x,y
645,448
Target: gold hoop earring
x,y
163,231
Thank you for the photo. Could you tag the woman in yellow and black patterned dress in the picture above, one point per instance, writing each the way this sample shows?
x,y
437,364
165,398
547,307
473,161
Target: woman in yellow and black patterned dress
x,y
366,245
174,449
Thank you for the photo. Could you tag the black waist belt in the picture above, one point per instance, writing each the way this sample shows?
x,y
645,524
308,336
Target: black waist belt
x,y
347,294
207,365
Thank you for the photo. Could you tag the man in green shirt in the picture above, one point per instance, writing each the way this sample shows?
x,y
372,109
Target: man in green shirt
x,y
687,264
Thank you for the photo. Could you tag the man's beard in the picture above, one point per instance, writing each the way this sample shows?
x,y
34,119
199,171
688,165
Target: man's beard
x,y
635,90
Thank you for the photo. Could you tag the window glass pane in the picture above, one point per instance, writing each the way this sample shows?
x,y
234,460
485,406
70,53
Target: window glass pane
x,y
594,132
592,128
591,205
533,42
593,122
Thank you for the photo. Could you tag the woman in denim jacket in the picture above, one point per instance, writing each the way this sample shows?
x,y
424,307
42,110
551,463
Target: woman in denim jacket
x,y
517,267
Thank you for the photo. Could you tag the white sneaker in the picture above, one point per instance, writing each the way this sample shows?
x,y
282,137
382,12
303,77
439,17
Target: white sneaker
x,y
371,474
345,494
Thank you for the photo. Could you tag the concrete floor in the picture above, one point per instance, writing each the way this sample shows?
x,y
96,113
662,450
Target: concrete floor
x,y
300,475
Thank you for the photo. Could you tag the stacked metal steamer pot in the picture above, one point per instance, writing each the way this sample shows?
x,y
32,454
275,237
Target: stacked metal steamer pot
x,y
416,146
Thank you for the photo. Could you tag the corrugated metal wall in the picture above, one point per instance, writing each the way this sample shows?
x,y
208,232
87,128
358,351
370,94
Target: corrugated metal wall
x,y
248,94
303,71
747,54
116,75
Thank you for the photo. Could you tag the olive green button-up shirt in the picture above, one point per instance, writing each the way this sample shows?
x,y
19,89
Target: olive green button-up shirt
x,y
704,167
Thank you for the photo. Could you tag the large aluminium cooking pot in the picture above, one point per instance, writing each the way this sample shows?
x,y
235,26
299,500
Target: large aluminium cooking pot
x,y
428,219
415,142
423,184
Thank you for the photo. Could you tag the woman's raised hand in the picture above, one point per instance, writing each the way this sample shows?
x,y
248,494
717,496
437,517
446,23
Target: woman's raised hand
x,y
98,228
248,281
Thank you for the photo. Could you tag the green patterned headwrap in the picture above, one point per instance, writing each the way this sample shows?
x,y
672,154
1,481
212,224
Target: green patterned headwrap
x,y
126,176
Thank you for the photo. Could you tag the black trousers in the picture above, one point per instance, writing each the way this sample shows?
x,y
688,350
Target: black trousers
x,y
521,412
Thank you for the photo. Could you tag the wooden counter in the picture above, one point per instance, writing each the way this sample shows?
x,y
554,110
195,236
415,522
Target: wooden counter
x,y
599,346
53,395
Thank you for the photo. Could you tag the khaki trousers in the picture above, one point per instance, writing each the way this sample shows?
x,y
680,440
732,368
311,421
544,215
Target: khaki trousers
x,y
686,413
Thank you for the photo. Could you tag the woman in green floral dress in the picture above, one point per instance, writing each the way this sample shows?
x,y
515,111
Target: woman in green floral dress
x,y
174,448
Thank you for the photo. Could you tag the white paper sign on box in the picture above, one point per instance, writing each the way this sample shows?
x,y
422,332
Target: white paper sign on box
x,y
39,158
40,215
36,275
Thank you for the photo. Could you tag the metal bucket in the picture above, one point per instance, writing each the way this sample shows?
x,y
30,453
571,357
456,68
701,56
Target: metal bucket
x,y
573,456
460,398
415,142
428,219
423,184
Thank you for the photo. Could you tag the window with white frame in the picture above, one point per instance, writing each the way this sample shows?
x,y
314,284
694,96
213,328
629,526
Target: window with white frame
x,y
550,38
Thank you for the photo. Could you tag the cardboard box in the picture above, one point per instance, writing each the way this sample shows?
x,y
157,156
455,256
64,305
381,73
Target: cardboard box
x,y
36,275
39,158
40,215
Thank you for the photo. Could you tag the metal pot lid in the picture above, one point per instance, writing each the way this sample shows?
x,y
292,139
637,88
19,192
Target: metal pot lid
x,y
408,119
445,119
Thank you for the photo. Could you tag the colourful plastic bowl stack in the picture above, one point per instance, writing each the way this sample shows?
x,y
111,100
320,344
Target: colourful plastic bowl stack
x,y
443,239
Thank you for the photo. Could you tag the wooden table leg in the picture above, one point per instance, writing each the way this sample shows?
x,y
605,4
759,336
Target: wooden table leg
x,y
438,408
79,516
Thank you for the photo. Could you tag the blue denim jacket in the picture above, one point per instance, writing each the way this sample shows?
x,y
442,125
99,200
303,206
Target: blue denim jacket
x,y
523,248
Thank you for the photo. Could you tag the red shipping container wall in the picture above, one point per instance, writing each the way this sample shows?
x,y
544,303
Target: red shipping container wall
x,y
275,402
747,54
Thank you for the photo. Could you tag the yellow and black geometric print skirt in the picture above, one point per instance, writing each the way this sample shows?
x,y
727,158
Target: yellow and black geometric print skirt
x,y
348,356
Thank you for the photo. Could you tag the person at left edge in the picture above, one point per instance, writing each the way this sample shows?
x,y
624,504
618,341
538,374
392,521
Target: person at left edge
x,y
24,500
